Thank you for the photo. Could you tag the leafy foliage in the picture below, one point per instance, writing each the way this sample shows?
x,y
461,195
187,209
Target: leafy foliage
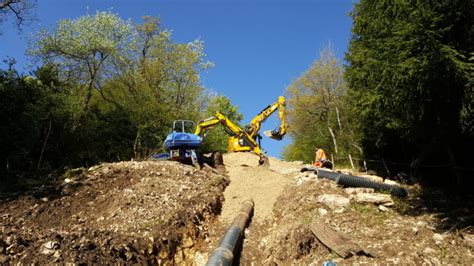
x,y
107,90
86,48
410,79
317,111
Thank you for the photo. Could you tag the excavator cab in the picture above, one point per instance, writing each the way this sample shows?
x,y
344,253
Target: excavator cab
x,y
184,126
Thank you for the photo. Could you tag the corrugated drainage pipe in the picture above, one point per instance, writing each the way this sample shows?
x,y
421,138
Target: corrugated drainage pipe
x,y
356,181
224,254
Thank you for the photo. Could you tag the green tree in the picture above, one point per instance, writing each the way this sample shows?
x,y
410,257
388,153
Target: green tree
x,y
317,111
159,84
86,48
410,79
33,116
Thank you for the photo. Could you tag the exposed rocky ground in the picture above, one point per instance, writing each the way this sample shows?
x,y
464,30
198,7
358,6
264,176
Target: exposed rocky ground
x,y
135,212
169,213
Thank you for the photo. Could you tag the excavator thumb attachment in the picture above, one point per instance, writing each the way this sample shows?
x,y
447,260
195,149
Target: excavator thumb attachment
x,y
273,134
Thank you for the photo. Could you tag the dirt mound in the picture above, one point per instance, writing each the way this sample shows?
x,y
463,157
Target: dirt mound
x,y
139,212
165,213
405,232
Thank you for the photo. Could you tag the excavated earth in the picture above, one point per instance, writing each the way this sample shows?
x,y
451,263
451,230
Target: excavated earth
x,y
170,213
128,212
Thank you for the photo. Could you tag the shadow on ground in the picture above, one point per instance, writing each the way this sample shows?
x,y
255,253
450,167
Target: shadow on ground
x,y
452,211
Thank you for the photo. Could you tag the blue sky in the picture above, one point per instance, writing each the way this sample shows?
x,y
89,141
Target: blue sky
x,y
258,46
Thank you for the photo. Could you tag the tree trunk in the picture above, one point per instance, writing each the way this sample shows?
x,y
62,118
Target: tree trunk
x,y
333,139
136,144
338,118
44,144
453,166
88,97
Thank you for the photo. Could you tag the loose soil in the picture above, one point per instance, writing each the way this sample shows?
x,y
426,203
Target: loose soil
x,y
170,213
134,212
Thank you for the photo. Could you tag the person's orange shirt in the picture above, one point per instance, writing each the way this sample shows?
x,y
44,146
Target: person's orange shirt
x,y
320,157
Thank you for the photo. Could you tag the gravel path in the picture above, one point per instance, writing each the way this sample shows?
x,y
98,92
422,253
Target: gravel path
x,y
248,180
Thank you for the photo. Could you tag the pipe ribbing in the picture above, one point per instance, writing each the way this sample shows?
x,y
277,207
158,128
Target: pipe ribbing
x,y
356,181
224,254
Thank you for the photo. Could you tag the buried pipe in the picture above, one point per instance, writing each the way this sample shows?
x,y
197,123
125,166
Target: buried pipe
x,y
224,254
356,181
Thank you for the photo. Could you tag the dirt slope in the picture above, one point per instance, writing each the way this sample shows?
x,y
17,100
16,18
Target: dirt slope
x,y
138,212
170,213
424,228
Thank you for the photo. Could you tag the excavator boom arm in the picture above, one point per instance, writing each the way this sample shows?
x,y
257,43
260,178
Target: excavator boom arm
x,y
230,127
257,121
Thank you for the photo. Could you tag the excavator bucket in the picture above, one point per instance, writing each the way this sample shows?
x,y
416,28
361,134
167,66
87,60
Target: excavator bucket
x,y
273,134
264,161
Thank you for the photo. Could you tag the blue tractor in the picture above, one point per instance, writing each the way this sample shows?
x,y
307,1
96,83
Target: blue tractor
x,y
182,145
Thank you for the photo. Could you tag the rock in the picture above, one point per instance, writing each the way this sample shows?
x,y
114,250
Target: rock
x,y
438,237
322,211
51,245
46,251
468,239
358,190
9,240
383,208
187,242
422,223
429,251
374,198
390,182
45,199
333,201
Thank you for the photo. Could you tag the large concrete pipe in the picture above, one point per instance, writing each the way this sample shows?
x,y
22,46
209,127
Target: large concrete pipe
x,y
224,254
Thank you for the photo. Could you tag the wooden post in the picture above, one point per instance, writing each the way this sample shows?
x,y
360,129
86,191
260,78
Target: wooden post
x,y
333,162
365,166
352,163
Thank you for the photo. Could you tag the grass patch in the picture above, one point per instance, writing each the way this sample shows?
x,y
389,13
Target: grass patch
x,y
370,211
307,219
363,208
75,173
401,205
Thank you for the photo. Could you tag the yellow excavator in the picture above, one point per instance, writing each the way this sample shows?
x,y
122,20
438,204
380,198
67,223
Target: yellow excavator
x,y
248,139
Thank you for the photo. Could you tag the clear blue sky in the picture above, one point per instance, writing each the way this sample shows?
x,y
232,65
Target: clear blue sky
x,y
258,46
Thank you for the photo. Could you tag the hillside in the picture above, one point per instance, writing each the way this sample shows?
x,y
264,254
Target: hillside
x,y
170,213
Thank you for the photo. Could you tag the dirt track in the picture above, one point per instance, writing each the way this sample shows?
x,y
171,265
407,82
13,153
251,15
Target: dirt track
x,y
249,180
